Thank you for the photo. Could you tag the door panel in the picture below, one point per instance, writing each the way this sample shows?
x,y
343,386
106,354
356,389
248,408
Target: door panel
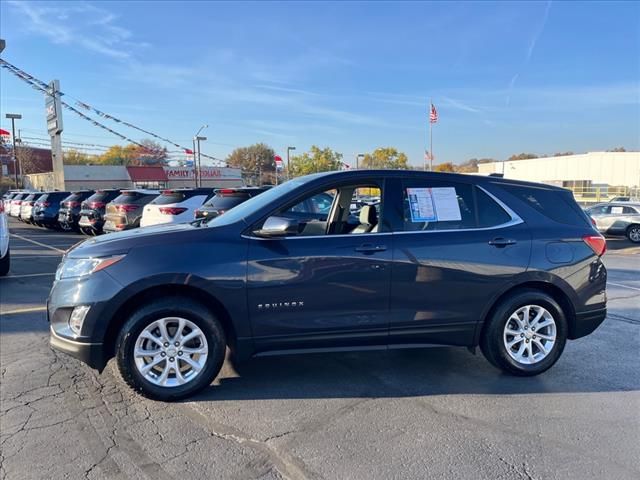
x,y
442,281
323,291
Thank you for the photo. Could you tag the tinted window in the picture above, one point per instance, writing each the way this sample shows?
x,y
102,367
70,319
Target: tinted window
x,y
127,197
599,210
319,203
556,205
220,202
176,197
629,210
31,197
430,205
490,213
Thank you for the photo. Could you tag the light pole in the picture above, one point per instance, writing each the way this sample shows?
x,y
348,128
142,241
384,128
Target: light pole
x,y
195,170
199,174
13,117
358,157
289,163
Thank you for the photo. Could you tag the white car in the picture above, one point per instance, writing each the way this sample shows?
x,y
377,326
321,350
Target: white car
x,y
16,203
174,206
26,207
5,258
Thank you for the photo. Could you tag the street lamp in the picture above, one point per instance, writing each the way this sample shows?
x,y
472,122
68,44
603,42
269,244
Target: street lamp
x,y
358,157
199,175
288,163
194,151
13,117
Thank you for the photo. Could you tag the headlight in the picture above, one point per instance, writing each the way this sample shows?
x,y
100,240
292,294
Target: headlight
x,y
80,267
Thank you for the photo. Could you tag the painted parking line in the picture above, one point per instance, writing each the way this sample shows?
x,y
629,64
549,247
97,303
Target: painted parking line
x,y
26,275
623,286
36,243
24,310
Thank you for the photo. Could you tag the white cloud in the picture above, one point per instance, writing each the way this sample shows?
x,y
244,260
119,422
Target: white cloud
x,y
80,24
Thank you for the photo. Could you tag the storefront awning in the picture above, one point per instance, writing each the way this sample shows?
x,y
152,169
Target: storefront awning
x,y
147,174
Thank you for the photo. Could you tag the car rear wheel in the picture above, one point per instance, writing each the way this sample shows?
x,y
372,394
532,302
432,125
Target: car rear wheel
x,y
170,349
633,233
526,333
5,263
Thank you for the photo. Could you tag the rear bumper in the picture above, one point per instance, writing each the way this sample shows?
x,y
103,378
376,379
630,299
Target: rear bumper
x,y
587,322
90,353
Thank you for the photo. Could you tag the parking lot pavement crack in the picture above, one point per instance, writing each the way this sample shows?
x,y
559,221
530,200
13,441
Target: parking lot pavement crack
x,y
520,472
622,318
286,465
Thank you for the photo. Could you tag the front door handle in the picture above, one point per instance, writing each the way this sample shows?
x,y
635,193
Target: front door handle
x,y
369,248
502,242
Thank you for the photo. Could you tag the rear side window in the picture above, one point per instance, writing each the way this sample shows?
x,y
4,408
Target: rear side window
x,y
74,197
220,202
30,197
128,197
556,205
176,197
430,206
490,213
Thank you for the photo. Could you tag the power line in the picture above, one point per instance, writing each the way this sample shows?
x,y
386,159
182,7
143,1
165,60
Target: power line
x,y
42,86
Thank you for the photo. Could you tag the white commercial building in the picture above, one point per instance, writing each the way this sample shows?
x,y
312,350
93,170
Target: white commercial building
x,y
606,169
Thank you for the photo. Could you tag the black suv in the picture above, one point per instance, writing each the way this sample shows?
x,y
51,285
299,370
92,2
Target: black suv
x,y
443,259
225,199
69,213
92,211
46,209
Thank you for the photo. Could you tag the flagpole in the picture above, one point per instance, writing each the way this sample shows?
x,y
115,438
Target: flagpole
x,y
430,137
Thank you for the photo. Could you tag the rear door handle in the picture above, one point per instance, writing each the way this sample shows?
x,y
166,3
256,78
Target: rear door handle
x,y
502,242
368,248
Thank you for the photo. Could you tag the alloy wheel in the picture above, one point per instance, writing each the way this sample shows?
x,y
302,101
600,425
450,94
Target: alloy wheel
x,y
530,334
171,351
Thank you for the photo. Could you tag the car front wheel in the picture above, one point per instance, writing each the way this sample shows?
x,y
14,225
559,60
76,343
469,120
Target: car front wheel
x,y
633,233
170,349
526,334
5,263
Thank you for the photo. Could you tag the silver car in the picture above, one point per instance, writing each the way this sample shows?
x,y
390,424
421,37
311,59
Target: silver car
x,y
617,219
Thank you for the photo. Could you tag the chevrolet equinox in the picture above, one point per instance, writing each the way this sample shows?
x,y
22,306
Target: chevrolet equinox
x,y
443,259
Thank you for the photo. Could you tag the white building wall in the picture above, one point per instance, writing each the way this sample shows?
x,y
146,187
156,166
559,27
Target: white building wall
x,y
606,168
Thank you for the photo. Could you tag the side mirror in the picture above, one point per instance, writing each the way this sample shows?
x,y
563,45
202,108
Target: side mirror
x,y
278,227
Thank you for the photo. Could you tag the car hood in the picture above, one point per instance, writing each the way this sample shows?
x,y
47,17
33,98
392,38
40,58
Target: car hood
x,y
120,242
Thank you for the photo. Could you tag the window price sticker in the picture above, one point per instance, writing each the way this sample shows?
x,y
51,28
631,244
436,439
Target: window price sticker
x,y
433,204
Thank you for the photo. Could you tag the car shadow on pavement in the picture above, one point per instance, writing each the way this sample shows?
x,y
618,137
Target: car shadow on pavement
x,y
399,373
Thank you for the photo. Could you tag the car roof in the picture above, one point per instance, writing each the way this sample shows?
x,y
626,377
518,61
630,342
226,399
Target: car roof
x,y
442,176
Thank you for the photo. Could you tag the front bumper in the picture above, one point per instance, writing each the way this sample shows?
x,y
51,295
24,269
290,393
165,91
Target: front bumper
x,y
90,353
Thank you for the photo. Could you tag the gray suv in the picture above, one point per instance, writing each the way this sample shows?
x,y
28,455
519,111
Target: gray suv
x,y
443,259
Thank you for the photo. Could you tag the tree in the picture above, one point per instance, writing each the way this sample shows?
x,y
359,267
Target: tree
x,y
385,157
316,160
256,161
119,155
470,166
523,156
445,167
74,157
562,154
618,149
151,153
26,159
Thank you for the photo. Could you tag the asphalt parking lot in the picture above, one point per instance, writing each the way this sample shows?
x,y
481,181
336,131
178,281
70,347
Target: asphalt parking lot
x,y
438,413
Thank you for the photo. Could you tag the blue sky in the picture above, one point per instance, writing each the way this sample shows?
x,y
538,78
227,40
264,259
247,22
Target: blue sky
x,y
506,77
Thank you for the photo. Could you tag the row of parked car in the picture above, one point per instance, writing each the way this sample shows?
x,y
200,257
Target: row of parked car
x,y
112,210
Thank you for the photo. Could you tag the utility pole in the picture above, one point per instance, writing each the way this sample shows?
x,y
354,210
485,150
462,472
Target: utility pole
x,y
54,127
358,157
16,166
288,162
195,138
198,170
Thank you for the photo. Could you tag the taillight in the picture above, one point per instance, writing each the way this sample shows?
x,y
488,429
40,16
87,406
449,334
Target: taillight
x,y
97,205
597,243
73,204
1,207
196,213
29,204
44,204
126,208
172,210
593,221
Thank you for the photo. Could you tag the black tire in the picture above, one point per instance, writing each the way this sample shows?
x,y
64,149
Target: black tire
x,y
633,231
5,263
492,344
170,307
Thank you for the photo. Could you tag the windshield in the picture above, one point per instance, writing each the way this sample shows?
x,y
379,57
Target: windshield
x,y
255,203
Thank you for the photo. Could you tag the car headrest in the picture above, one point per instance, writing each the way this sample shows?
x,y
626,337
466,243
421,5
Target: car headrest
x,y
368,215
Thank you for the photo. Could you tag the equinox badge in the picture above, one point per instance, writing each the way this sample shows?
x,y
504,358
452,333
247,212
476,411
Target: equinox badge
x,y
269,306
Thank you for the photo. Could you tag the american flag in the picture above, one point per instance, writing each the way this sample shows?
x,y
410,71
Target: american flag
x,y
433,114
